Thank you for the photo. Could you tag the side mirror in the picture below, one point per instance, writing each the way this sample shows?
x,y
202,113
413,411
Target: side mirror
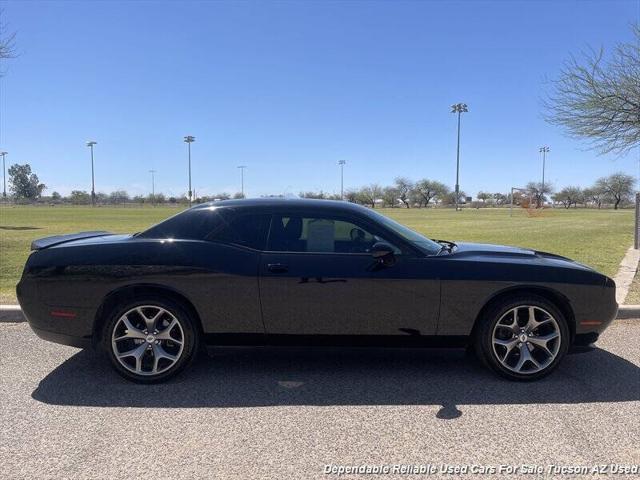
x,y
383,253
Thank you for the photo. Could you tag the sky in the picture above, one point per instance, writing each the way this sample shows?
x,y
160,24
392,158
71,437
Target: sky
x,y
290,88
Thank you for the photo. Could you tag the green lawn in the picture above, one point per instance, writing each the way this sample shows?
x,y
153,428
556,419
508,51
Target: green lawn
x,y
597,238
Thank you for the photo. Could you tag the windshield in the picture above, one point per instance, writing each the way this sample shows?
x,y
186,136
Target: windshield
x,y
423,243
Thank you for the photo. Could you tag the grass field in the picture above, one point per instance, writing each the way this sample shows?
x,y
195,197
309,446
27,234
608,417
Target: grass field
x,y
596,238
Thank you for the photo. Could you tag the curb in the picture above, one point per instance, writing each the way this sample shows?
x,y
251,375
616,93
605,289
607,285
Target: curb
x,y
13,313
626,274
628,311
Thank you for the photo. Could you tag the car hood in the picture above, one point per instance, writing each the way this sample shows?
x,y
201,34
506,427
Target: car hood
x,y
506,253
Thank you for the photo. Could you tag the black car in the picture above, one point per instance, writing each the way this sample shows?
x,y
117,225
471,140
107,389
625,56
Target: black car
x,y
305,272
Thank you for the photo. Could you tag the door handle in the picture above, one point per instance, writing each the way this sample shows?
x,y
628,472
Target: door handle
x,y
277,268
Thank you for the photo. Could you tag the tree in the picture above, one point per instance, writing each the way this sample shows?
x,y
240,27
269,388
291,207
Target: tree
x,y
390,196
118,196
317,195
217,196
238,195
156,198
431,190
23,183
569,196
7,42
450,198
370,194
600,101
484,196
501,198
595,194
617,187
352,196
56,197
538,192
404,186
102,198
80,197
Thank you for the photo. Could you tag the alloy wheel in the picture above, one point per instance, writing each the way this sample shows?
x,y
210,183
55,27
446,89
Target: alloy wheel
x,y
147,340
526,339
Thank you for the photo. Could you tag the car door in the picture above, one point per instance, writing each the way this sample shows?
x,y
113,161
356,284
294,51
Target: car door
x,y
318,277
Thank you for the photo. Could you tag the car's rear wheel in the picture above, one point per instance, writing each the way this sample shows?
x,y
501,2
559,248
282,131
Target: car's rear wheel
x,y
150,340
523,338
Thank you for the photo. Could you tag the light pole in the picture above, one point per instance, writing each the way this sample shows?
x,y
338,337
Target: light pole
x,y
153,186
188,139
458,108
242,167
4,177
90,144
342,163
543,150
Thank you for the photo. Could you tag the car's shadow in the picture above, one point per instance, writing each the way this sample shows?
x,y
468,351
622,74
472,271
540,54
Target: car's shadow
x,y
265,377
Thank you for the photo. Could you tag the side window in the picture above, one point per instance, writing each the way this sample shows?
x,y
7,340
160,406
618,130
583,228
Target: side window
x,y
319,234
189,225
248,230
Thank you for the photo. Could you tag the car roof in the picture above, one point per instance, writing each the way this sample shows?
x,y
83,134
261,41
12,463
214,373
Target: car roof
x,y
316,204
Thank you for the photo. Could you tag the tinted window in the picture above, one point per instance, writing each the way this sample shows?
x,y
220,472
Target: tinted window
x,y
190,225
319,234
249,230
215,224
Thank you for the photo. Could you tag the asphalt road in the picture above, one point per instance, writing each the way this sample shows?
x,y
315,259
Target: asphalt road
x,y
263,413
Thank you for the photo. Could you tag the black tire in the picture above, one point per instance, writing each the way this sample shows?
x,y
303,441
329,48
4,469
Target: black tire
x,y
185,353
483,341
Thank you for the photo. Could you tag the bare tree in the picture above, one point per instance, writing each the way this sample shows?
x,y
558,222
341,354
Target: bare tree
x,y
7,40
599,100
370,194
539,192
352,195
501,198
484,196
404,186
390,196
595,194
431,190
569,196
617,187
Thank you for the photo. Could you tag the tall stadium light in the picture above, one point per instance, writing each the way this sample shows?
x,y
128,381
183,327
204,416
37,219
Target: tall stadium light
x,y
458,108
342,163
544,150
189,139
4,176
90,144
153,186
242,167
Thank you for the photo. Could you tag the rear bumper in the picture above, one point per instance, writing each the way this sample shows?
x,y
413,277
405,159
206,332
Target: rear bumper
x,y
59,324
78,342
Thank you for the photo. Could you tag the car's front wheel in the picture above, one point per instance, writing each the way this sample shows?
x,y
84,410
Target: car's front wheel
x,y
523,338
150,340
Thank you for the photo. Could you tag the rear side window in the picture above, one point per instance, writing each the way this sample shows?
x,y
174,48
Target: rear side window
x,y
189,225
219,225
248,230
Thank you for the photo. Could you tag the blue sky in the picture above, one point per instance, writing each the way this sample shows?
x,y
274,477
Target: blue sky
x,y
290,88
